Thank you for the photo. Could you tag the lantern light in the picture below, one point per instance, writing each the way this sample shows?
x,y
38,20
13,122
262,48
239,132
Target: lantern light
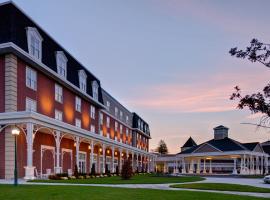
x,y
15,131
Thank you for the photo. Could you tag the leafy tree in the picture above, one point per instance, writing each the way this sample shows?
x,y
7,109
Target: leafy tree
x,y
257,102
126,172
162,147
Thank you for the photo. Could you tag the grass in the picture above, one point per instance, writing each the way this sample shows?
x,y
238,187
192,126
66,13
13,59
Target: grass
x,y
222,187
35,192
138,179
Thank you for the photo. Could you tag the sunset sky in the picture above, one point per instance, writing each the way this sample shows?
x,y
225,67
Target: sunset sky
x,y
167,60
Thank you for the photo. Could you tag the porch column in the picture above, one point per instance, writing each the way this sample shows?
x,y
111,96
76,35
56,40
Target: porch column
x,y
241,165
92,155
77,140
57,169
29,169
253,165
257,165
234,166
210,166
266,164
103,158
112,159
183,166
191,169
262,165
198,170
204,167
148,164
244,165
137,163
120,161
132,161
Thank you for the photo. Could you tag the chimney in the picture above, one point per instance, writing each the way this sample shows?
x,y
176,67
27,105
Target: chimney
x,y
220,132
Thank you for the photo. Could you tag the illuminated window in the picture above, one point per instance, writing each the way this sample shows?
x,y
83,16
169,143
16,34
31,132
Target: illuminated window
x,y
95,90
92,112
78,123
82,80
58,115
31,78
30,105
34,41
61,63
78,104
121,129
58,93
115,126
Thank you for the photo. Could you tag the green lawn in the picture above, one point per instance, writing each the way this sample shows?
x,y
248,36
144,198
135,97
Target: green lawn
x,y
138,179
35,192
222,187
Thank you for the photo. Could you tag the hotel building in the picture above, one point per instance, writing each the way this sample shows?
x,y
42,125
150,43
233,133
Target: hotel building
x,y
64,116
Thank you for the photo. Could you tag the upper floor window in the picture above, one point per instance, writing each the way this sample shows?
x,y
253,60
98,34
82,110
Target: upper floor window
x,y
95,90
92,112
78,123
31,78
108,104
115,126
78,104
121,115
82,80
126,119
121,129
34,41
58,93
58,115
30,105
101,118
93,128
108,122
61,63
116,112
139,123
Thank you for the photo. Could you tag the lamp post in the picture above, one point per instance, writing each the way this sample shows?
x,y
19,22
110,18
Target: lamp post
x,y
15,131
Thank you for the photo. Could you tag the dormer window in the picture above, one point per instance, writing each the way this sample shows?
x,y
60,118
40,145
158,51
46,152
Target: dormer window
x,y
95,90
34,41
61,63
82,80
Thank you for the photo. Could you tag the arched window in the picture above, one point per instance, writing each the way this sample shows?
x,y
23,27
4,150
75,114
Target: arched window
x,y
61,62
34,41
95,90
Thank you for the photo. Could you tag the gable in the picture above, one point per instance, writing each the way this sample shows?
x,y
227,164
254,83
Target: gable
x,y
258,148
206,148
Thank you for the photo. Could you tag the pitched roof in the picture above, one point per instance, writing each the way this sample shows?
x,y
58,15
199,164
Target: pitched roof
x,y
190,143
250,146
266,149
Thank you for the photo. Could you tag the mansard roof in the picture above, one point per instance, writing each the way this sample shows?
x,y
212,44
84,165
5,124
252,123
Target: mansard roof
x,y
190,143
13,26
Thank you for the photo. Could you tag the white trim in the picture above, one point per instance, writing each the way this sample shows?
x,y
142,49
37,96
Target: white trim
x,y
24,117
203,145
56,76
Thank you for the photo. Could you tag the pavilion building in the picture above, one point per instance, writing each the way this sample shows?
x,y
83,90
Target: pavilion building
x,y
221,155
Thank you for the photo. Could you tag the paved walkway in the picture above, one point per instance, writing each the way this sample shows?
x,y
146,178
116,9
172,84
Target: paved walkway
x,y
242,181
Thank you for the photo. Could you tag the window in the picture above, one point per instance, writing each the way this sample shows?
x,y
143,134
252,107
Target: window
x,y
121,115
139,123
116,111
121,129
115,126
82,80
108,122
101,118
92,112
31,78
78,123
58,93
61,63
126,119
34,41
30,105
108,104
93,129
95,90
58,115
78,104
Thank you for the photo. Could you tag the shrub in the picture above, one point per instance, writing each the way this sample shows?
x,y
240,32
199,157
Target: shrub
x,y
76,174
126,172
93,170
62,175
54,177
